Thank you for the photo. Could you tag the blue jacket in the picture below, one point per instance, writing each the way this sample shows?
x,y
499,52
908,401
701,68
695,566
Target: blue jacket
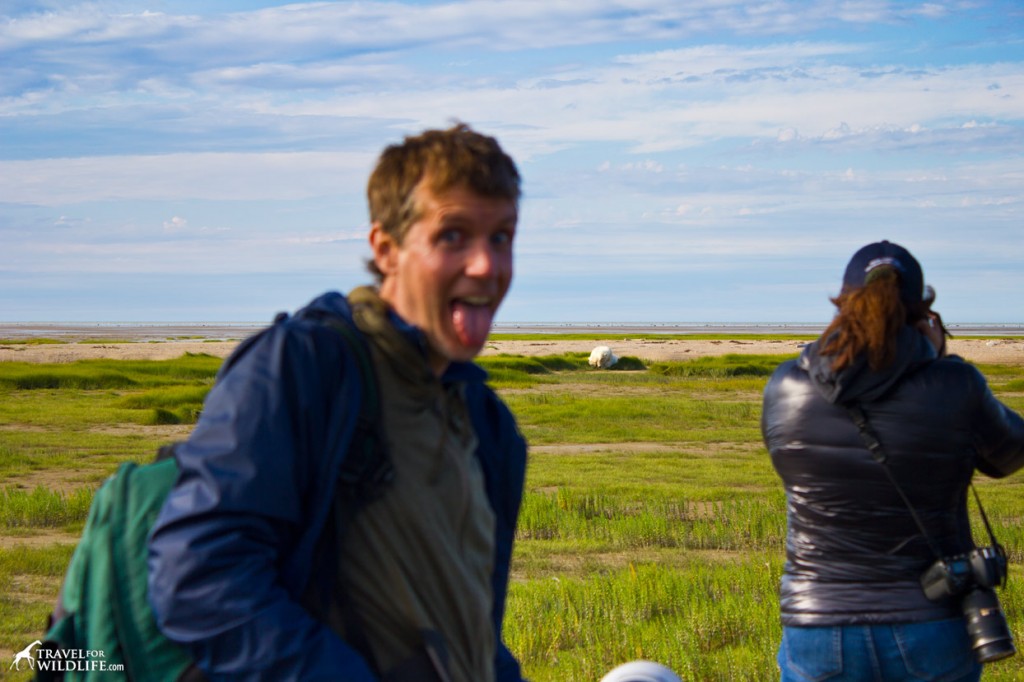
x,y
232,551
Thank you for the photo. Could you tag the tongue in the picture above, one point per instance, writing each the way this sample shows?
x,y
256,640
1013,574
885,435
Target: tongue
x,y
472,323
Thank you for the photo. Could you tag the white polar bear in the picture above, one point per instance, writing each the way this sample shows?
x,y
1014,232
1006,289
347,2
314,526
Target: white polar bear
x,y
602,357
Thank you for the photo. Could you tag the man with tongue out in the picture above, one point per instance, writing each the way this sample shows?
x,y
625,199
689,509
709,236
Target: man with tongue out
x,y
416,583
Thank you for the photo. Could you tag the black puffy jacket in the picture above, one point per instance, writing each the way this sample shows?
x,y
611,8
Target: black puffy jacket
x,y
853,551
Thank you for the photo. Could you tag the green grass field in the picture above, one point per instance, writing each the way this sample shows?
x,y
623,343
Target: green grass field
x,y
652,525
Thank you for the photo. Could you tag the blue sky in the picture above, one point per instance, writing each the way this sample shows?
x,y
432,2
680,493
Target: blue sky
x,y
700,161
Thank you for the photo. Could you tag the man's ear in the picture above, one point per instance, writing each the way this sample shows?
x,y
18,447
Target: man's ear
x,y
384,249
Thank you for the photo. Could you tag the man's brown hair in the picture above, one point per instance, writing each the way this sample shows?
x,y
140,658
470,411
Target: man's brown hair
x,y
446,159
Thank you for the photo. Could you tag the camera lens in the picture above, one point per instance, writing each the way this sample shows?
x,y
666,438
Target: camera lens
x,y
986,626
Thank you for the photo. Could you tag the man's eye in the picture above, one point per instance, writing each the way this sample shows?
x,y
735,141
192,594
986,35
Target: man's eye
x,y
501,238
450,237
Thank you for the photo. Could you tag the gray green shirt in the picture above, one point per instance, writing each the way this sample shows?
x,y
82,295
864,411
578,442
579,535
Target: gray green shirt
x,y
421,556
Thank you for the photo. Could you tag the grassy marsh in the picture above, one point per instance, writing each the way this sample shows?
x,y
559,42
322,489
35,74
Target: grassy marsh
x,y
652,524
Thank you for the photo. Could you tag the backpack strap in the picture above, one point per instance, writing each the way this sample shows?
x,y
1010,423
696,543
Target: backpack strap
x,y
366,469
366,472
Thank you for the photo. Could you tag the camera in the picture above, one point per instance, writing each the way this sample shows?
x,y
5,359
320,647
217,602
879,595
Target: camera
x,y
983,567
973,576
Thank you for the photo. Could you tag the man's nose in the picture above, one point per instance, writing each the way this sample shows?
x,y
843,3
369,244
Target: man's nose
x,y
481,261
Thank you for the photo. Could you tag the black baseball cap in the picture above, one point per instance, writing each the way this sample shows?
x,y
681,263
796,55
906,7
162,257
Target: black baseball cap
x,y
885,253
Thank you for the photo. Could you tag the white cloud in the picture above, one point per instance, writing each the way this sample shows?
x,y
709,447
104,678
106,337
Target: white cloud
x,y
227,67
646,166
235,177
175,224
294,76
359,236
302,31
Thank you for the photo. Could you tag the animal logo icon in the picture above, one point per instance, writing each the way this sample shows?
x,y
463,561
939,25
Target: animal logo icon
x,y
25,655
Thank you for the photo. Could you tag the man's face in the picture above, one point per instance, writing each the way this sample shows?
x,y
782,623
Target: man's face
x,y
451,271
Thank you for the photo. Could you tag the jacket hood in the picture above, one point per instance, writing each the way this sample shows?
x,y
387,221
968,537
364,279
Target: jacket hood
x,y
335,303
858,382
331,302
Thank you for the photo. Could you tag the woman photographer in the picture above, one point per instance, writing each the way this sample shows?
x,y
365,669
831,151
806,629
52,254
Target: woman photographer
x,y
852,602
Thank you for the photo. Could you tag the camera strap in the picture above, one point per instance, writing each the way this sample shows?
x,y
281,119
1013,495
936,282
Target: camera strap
x,y
984,518
874,445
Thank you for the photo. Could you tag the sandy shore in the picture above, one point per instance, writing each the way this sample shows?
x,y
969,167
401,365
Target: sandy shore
x,y
994,350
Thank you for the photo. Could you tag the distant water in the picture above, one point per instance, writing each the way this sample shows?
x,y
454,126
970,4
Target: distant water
x,y
164,331
659,328
802,328
129,331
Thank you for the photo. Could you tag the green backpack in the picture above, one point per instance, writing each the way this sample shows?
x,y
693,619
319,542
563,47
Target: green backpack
x,y
103,613
103,622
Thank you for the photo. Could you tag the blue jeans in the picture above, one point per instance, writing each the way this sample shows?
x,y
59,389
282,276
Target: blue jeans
x,y
933,650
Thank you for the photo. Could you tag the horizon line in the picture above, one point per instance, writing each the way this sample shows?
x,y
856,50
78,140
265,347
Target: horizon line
x,y
169,330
